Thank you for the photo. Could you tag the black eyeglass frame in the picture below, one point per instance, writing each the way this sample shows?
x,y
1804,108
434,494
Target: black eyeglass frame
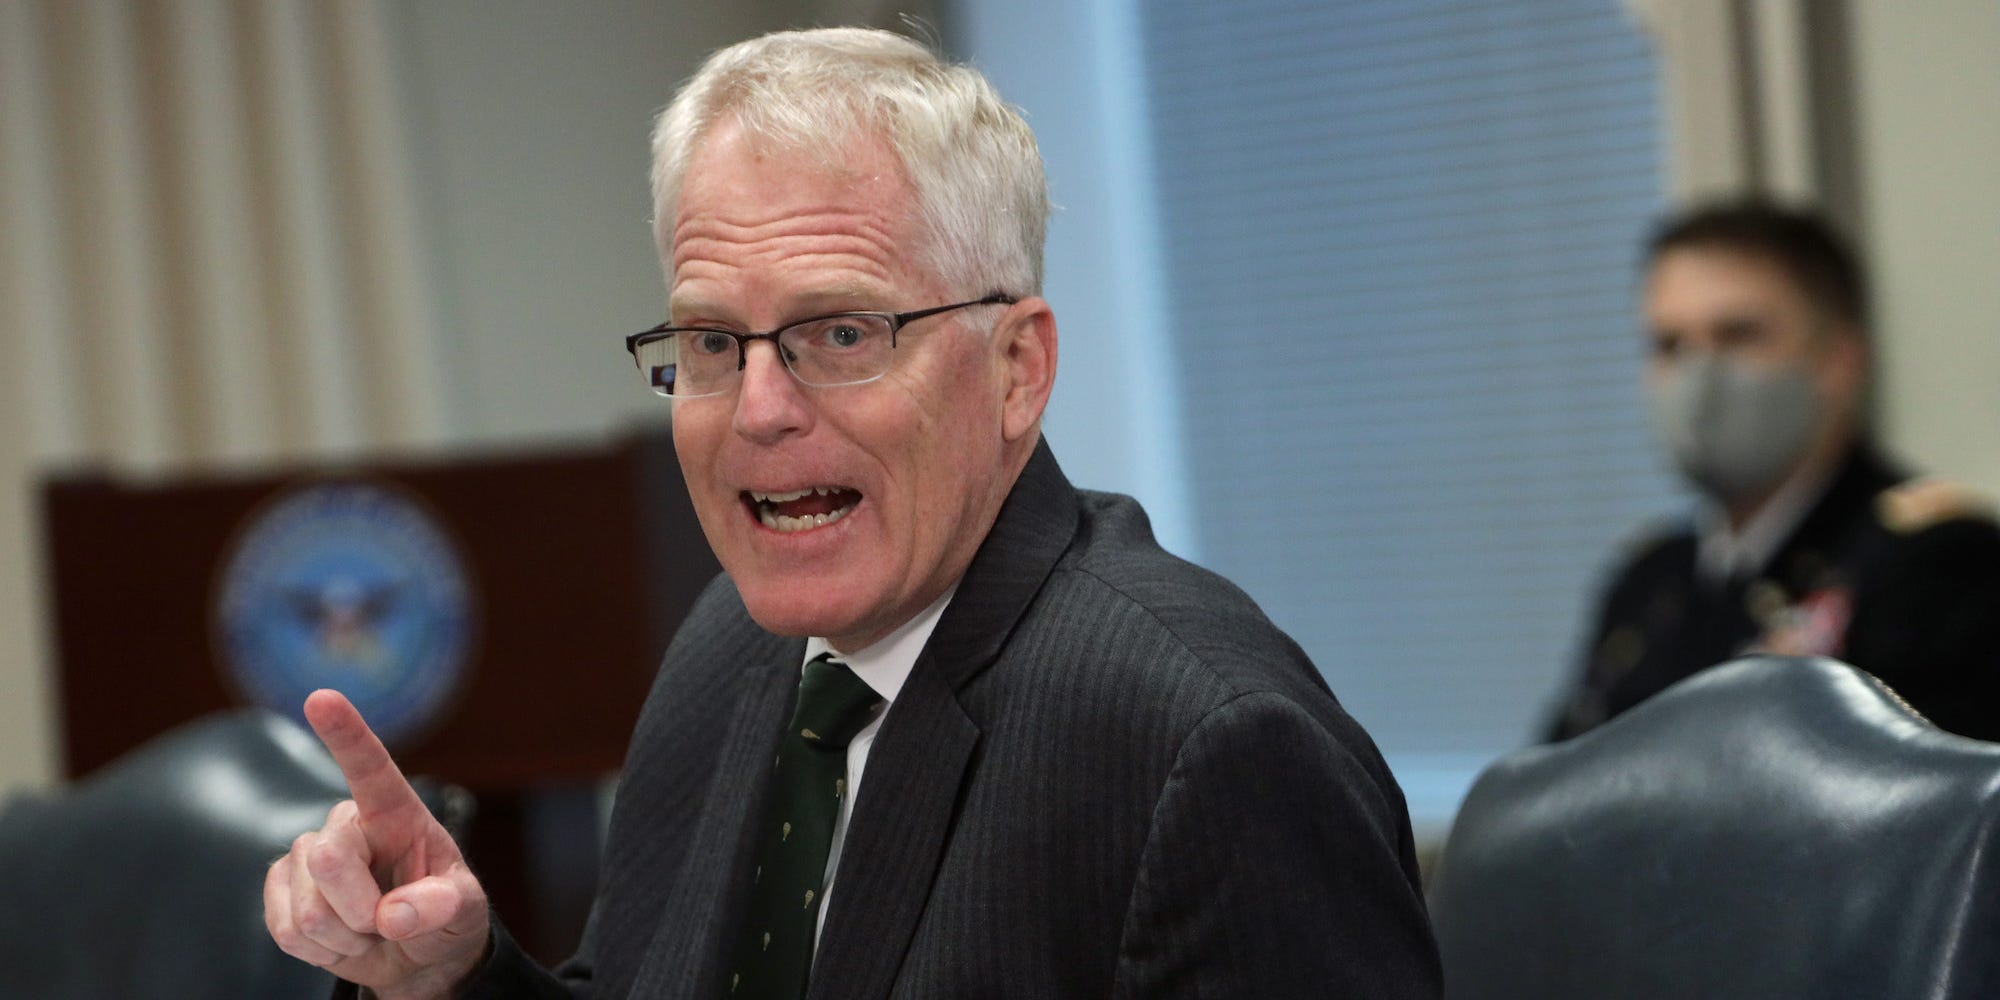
x,y
896,322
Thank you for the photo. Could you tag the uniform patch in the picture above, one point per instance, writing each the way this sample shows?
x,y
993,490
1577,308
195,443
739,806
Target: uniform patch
x,y
1816,626
1919,504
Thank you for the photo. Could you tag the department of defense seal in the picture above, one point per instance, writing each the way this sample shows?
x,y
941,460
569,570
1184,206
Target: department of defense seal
x,y
351,586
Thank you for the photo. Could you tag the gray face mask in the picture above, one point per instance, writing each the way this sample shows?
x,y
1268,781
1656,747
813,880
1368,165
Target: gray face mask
x,y
1735,429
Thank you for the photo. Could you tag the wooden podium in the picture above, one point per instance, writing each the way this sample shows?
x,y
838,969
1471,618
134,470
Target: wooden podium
x,y
574,567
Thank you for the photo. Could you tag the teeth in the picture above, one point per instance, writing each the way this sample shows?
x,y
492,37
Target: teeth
x,y
794,495
779,522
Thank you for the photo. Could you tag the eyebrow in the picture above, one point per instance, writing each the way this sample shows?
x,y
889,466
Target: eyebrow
x,y
835,298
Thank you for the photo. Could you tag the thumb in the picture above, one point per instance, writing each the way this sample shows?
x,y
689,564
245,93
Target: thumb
x,y
450,906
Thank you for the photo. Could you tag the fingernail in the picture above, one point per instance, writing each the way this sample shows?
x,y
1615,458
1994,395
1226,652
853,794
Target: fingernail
x,y
399,919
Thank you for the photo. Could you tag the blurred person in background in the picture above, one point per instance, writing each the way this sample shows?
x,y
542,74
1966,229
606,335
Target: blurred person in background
x,y
1091,769
1807,540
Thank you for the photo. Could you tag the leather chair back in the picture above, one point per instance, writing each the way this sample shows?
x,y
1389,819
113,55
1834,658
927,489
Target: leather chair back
x,y
1769,828
145,880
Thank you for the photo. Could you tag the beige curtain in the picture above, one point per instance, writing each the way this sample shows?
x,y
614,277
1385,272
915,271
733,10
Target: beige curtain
x,y
208,258
1757,95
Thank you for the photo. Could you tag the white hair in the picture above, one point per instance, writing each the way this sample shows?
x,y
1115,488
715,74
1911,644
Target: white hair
x,y
969,157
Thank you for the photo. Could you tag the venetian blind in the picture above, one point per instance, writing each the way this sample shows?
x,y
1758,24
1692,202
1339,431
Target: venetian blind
x,y
1399,243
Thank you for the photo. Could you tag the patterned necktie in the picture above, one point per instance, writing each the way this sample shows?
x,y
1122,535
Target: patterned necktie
x,y
774,951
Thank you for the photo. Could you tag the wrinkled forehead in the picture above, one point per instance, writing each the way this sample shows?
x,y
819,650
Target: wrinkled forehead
x,y
749,183
748,202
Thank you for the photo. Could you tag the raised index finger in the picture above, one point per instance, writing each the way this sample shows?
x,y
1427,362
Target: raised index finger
x,y
378,786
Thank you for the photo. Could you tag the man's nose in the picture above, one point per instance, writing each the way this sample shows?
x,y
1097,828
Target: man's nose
x,y
770,403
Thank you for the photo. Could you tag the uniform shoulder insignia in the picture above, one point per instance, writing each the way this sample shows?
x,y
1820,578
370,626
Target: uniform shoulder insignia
x,y
1921,503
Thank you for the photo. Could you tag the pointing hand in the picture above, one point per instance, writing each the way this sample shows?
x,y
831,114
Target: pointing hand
x,y
380,896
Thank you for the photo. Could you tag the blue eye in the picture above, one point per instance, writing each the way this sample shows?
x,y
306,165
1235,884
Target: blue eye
x,y
710,342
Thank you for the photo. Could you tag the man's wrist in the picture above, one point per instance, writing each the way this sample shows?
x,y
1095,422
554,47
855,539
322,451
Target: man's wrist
x,y
432,984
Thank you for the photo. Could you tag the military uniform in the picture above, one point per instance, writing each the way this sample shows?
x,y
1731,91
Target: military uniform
x,y
1908,592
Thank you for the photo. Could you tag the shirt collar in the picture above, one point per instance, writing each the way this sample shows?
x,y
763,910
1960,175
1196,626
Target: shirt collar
x,y
886,664
1723,553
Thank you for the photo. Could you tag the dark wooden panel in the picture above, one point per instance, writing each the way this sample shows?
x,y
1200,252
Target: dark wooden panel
x,y
581,563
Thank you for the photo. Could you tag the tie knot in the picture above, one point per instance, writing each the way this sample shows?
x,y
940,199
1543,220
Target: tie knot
x,y
834,704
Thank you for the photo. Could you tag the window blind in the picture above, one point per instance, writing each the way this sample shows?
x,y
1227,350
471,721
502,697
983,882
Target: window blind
x,y
1400,242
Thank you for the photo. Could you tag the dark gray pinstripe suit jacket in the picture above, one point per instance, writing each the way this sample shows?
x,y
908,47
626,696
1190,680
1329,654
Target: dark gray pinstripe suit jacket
x,y
1107,776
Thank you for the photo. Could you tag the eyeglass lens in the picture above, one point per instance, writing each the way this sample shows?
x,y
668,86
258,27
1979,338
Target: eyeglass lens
x,y
834,350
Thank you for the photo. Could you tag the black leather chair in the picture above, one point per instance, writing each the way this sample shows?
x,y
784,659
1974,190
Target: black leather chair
x,y
146,879
1769,828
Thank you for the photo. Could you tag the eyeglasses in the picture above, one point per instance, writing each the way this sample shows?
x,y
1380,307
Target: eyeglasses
x,y
846,348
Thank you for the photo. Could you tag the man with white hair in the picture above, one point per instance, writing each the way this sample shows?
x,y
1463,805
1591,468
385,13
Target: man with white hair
x,y
946,726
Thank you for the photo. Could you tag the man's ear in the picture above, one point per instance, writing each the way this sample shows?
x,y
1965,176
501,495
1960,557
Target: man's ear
x,y
1026,342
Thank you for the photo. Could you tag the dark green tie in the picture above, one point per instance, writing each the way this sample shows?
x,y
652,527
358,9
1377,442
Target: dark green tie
x,y
774,952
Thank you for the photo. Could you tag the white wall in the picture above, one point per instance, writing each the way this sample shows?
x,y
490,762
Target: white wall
x,y
1929,135
531,121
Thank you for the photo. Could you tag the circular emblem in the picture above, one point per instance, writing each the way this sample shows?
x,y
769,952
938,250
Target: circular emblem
x,y
349,586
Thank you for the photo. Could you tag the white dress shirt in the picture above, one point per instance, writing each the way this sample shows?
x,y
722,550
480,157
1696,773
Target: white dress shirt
x,y
884,667
1722,553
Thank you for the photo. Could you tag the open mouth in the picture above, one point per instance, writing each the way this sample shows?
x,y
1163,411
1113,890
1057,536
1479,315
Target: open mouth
x,y
801,510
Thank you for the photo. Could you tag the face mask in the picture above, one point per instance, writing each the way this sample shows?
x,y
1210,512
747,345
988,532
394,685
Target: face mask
x,y
1735,429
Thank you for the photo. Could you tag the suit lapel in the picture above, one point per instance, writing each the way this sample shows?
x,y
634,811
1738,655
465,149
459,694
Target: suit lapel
x,y
687,952
902,819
